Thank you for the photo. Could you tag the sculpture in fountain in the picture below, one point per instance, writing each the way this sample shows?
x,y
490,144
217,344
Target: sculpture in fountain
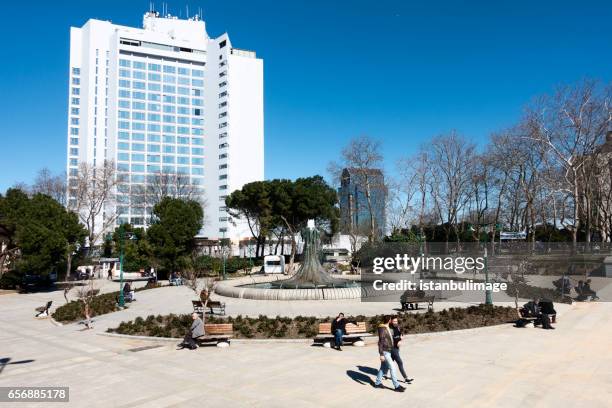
x,y
311,274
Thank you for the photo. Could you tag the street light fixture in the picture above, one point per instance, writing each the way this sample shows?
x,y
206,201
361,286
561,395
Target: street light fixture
x,y
488,292
223,254
122,235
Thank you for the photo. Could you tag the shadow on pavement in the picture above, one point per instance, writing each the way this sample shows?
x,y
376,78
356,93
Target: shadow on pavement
x,y
368,370
363,375
7,360
361,378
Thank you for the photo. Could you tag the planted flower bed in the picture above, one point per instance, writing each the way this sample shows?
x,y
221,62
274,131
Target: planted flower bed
x,y
264,327
100,304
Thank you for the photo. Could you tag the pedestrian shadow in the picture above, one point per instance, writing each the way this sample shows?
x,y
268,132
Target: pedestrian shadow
x,y
359,377
363,375
368,370
7,360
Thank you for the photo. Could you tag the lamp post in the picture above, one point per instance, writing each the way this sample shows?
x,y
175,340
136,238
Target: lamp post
x,y
223,254
121,237
421,238
488,292
121,245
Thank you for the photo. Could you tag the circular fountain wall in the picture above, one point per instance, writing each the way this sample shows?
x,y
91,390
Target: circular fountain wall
x,y
255,288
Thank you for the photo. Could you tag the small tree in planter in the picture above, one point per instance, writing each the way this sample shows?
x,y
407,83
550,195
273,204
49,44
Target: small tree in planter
x,y
200,284
85,294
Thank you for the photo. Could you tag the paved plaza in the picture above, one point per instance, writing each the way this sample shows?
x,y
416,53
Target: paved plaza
x,y
497,366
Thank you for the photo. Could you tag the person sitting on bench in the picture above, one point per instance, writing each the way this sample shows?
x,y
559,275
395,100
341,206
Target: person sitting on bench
x,y
587,291
563,285
338,329
548,308
532,310
196,330
418,294
175,279
128,293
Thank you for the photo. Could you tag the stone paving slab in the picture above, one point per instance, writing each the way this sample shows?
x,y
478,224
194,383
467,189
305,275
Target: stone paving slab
x,y
491,367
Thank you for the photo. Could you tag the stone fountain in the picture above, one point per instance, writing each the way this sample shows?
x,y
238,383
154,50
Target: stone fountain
x,y
310,282
311,274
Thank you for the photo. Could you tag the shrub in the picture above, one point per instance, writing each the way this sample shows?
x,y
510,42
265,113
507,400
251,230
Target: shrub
x,y
307,327
10,280
100,304
73,311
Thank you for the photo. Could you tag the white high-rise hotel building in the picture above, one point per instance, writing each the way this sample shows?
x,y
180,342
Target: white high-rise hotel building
x,y
166,99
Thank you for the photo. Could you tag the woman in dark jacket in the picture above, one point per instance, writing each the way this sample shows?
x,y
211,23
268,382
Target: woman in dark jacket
x,y
385,346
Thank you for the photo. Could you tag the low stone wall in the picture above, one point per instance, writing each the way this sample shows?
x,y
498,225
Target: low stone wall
x,y
232,288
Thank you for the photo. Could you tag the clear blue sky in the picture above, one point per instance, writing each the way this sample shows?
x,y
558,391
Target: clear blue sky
x,y
400,71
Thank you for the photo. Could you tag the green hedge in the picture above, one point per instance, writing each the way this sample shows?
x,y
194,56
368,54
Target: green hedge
x,y
232,264
100,304
307,326
531,292
73,311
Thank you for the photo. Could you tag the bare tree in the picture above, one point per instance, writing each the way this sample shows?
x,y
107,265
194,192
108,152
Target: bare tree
x,y
363,159
92,197
165,184
168,184
451,157
400,205
201,285
570,125
52,185
85,294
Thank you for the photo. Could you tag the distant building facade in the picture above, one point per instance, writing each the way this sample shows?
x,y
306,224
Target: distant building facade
x,y
354,207
165,100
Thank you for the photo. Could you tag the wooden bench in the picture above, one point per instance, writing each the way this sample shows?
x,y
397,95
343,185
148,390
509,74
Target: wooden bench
x,y
197,307
216,333
212,305
532,320
413,302
353,334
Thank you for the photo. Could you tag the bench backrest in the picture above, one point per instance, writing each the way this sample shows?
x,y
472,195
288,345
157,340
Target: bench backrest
x,y
220,328
213,303
325,328
197,306
414,299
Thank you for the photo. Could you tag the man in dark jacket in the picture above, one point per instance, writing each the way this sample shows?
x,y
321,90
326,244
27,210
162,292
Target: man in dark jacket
x,y
385,347
395,352
196,330
338,329
532,309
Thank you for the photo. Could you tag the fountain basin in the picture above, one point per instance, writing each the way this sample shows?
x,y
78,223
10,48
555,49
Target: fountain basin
x,y
259,288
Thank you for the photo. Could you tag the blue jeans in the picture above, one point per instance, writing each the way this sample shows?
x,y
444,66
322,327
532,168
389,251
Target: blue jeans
x,y
385,366
338,337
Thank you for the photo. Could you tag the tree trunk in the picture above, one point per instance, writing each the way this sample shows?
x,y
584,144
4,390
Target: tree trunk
x,y
575,215
68,265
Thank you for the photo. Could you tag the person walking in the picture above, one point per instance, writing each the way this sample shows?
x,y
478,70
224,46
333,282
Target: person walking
x,y
385,347
338,329
395,352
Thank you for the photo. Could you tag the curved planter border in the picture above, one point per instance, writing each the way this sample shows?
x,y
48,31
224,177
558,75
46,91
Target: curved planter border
x,y
176,339
232,288
367,340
